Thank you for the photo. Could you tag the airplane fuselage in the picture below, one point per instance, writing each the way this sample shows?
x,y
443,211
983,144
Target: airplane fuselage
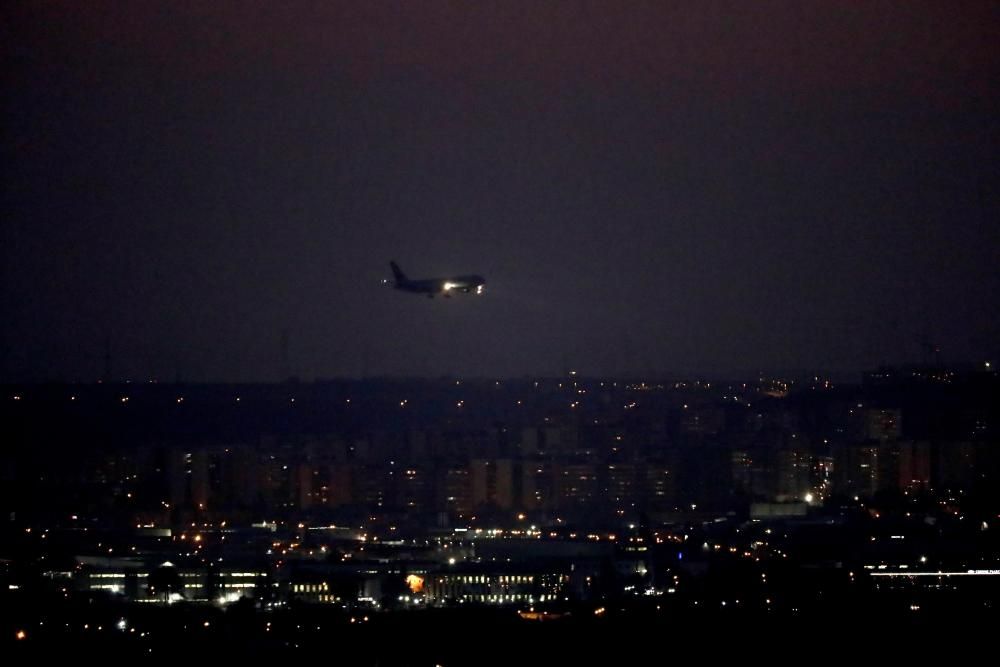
x,y
468,284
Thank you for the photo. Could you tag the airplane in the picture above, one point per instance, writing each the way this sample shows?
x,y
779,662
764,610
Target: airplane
x,y
431,286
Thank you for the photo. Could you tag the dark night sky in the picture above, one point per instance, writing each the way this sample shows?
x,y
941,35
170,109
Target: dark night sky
x,y
694,186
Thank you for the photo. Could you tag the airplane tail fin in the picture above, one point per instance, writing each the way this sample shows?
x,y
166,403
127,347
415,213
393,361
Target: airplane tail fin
x,y
397,272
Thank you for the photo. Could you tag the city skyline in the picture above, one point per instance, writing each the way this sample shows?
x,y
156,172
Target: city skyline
x,y
430,332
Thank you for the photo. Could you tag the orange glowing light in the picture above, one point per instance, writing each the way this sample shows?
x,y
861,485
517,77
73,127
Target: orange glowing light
x,y
415,583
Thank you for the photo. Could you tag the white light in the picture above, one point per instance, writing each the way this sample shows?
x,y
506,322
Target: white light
x,y
967,573
808,498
